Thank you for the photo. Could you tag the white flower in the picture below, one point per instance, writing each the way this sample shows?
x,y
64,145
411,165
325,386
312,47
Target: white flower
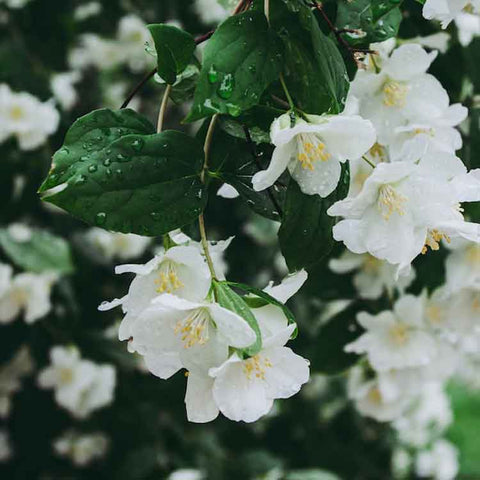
x,y
440,462
81,386
180,270
468,26
5,447
429,416
186,474
436,41
87,10
110,245
15,3
372,401
11,374
82,449
210,11
174,333
313,151
406,207
446,10
400,90
25,117
20,232
374,276
396,339
133,34
462,265
28,292
62,85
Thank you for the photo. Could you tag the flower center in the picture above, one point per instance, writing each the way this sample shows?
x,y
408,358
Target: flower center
x,y
194,329
394,94
378,152
399,333
16,113
434,237
434,315
374,396
390,201
256,366
311,150
473,254
168,281
66,375
424,131
372,265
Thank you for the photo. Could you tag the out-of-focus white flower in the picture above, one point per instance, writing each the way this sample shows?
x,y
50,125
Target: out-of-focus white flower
x,y
436,41
28,292
15,4
5,448
313,151
186,474
11,374
227,191
81,386
428,418
62,85
446,10
112,245
440,462
468,26
19,232
210,11
462,266
128,48
82,449
22,115
87,10
114,94
374,276
181,271
401,463
370,399
396,339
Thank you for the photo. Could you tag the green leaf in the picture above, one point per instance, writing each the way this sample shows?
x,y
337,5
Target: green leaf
x,y
267,299
230,300
184,88
233,162
240,61
41,252
175,49
314,70
113,172
378,19
306,231
328,355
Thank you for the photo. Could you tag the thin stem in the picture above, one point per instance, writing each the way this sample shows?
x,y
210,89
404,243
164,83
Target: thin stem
x,y
163,108
287,93
368,161
267,9
137,87
201,220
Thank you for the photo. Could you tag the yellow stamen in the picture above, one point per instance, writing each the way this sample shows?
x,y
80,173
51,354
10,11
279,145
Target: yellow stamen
x,y
434,237
256,366
311,150
435,315
167,281
374,396
372,265
378,152
399,333
390,201
66,375
395,94
473,254
194,329
16,113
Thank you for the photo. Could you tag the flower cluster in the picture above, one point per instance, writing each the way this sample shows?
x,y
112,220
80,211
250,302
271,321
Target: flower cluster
x,y
176,318
82,449
81,386
26,118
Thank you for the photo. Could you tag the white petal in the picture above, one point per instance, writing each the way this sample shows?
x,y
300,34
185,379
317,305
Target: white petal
x,y
408,61
278,164
201,407
163,365
288,287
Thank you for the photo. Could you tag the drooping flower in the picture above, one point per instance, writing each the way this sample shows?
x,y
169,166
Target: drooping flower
x,y
314,149
396,339
180,270
446,10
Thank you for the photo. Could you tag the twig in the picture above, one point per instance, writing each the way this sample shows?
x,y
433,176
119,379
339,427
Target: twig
x,y
255,156
163,108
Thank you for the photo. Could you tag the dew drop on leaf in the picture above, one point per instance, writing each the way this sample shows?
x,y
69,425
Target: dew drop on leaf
x,y
92,168
100,218
137,145
225,89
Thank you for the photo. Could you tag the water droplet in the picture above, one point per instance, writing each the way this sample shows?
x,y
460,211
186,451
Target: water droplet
x,y
138,144
108,171
156,215
84,158
92,168
234,110
107,162
122,158
118,172
212,75
225,89
100,218
252,69
81,180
